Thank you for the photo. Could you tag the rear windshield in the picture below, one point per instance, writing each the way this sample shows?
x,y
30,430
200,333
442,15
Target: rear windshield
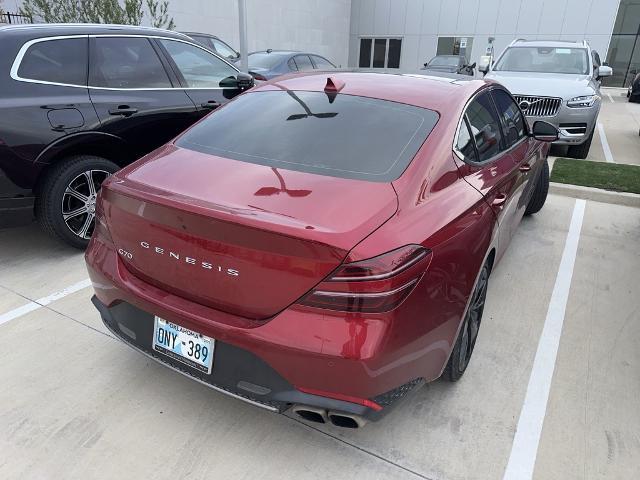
x,y
444,62
347,137
544,60
264,60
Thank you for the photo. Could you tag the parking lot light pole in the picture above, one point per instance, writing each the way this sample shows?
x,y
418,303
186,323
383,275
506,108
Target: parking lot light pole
x,y
242,20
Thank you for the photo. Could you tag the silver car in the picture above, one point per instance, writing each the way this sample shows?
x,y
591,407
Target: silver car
x,y
555,81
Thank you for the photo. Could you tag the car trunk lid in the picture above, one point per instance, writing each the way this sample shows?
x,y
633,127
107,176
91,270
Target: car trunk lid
x,y
243,238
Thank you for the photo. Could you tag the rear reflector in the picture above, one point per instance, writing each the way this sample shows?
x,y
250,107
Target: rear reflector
x,y
375,285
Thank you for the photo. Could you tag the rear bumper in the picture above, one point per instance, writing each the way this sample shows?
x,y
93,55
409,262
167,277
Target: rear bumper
x,y
297,357
237,372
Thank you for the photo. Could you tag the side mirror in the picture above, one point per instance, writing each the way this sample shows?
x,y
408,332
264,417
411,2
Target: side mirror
x,y
242,81
484,63
544,131
425,64
604,71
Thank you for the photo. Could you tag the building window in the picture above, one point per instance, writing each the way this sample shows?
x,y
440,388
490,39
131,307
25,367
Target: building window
x,y
380,52
455,46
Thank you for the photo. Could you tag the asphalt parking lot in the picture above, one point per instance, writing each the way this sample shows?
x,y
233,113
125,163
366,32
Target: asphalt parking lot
x,y
77,403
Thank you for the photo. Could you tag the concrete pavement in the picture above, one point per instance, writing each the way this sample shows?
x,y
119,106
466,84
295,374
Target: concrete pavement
x,y
77,403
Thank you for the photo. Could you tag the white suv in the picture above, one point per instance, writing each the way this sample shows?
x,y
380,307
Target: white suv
x,y
555,81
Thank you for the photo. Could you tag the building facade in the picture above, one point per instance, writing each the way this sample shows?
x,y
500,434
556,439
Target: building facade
x,y
430,27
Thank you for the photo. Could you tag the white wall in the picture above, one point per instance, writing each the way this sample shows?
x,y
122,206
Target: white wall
x,y
421,22
319,26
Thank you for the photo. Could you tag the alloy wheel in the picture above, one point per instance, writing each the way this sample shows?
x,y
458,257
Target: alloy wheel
x,y
79,202
473,319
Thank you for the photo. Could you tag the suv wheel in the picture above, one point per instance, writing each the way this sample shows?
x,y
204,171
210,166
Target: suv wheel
x,y
581,151
65,205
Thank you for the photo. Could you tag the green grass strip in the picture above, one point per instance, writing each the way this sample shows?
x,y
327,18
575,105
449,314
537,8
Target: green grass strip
x,y
608,176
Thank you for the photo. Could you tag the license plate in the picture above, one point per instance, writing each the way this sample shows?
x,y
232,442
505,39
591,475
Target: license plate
x,y
184,345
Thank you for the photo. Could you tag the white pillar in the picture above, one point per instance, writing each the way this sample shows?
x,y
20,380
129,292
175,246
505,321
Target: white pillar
x,y
242,20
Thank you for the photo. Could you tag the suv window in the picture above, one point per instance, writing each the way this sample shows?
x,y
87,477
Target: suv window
x,y
512,119
203,40
544,60
199,68
126,62
485,126
322,63
223,49
345,136
58,61
303,62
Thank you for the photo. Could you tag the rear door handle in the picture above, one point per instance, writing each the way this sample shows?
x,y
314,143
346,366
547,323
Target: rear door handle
x,y
499,200
211,104
525,167
123,110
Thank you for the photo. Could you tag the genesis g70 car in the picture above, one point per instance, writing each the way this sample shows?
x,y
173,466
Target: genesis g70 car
x,y
331,254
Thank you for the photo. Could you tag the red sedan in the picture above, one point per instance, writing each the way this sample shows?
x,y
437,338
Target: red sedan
x,y
320,243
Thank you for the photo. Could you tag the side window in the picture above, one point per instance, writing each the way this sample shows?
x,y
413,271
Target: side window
x,y
292,65
485,127
596,59
322,63
199,68
126,62
58,61
464,144
223,49
303,63
511,116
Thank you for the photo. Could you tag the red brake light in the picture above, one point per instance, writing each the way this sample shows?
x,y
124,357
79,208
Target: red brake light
x,y
375,285
257,76
100,229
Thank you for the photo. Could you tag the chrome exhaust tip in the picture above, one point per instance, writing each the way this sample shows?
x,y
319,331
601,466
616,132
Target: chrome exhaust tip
x,y
346,420
311,414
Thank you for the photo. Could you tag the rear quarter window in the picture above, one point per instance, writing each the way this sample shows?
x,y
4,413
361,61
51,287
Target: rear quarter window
x,y
56,61
347,136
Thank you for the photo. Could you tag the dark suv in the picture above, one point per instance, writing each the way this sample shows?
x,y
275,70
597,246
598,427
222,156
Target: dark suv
x,y
77,102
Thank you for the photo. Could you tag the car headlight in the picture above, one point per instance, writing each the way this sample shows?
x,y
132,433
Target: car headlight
x,y
582,101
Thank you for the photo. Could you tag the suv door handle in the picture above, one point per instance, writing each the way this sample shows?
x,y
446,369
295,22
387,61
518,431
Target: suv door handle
x,y
525,168
499,200
211,104
123,110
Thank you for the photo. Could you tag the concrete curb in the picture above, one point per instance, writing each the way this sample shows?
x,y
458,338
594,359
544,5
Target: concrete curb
x,y
595,194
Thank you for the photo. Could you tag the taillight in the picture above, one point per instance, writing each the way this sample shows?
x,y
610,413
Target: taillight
x,y
375,285
257,76
100,229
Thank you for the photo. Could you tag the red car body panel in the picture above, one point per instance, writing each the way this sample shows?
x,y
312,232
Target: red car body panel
x,y
245,216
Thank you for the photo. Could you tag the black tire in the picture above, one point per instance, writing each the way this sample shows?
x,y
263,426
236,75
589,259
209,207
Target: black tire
x,y
60,198
540,191
581,151
463,348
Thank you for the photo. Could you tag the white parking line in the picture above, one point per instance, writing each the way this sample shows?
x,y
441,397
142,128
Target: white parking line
x,y
605,145
41,302
610,97
527,438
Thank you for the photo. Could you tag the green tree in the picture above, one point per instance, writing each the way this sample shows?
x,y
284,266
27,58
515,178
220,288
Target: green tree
x,y
99,11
